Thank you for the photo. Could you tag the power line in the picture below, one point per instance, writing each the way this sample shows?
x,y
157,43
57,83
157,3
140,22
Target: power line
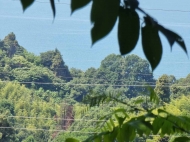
x,y
97,79
77,20
102,84
32,129
82,132
49,2
55,118
148,74
167,10
80,84
24,68
86,84
69,60
45,2
152,9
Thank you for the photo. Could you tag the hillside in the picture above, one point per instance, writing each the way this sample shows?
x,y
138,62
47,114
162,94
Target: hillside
x,y
41,96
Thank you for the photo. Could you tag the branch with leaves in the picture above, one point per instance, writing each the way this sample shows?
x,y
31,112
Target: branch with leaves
x,y
104,14
118,126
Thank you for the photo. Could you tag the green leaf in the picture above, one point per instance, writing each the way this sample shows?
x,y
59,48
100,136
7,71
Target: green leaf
x,y
106,138
172,37
120,136
167,128
127,132
182,139
128,30
153,96
113,134
103,15
26,3
110,128
96,136
53,7
152,46
71,140
141,125
163,113
120,119
77,4
110,137
112,122
157,124
138,101
98,139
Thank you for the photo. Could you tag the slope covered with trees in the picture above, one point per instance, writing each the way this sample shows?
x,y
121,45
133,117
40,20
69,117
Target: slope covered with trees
x,y
103,17
41,96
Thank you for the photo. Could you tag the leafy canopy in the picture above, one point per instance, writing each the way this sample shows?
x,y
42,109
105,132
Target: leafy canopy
x,y
121,126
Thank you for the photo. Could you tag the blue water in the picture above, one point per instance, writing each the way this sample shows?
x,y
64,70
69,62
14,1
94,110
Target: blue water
x,y
37,31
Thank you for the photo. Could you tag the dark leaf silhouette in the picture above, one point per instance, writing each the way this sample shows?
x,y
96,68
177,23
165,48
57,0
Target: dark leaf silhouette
x,y
103,15
128,30
53,7
76,4
26,3
172,37
152,46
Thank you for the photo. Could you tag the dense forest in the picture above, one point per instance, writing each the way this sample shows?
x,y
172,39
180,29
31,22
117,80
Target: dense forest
x,y
42,99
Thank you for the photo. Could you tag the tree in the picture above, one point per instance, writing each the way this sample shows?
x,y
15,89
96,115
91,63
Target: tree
x,y
54,61
130,71
116,73
6,135
104,14
163,88
23,102
6,108
29,139
46,58
59,68
10,44
181,86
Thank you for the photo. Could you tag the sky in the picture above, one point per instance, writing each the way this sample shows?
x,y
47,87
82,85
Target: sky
x,y
37,31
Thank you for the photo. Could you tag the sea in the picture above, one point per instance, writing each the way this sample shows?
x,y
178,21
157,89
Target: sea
x,y
38,31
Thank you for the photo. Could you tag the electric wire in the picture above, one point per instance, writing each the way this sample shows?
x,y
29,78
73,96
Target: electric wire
x,y
55,118
93,84
82,132
152,9
80,76
53,130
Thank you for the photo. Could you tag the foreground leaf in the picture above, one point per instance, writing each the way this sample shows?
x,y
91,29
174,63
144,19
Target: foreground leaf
x,y
182,139
142,126
133,4
120,120
128,30
103,15
157,125
26,3
76,4
138,101
153,96
173,37
127,133
53,7
96,137
71,140
152,46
